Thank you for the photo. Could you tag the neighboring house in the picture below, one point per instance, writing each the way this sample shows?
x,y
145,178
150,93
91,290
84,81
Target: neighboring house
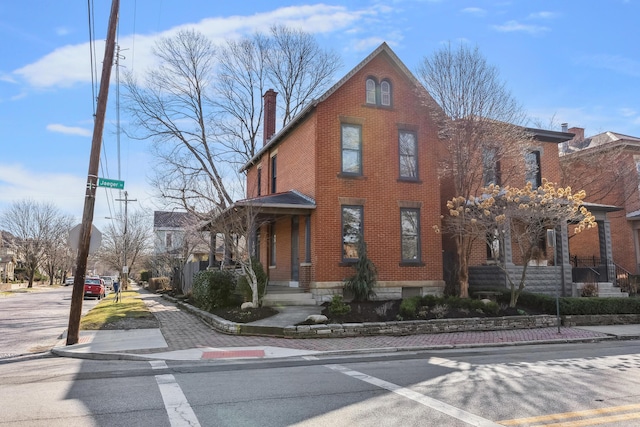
x,y
607,167
7,264
171,242
535,158
361,160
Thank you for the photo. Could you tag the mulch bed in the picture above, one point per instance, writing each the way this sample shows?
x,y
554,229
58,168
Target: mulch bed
x,y
237,315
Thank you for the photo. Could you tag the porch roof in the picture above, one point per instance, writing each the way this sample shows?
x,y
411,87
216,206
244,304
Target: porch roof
x,y
279,202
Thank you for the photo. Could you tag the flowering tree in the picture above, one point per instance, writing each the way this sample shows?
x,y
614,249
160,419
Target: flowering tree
x,y
522,215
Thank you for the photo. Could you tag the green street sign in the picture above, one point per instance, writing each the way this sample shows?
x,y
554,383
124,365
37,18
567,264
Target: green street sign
x,y
110,183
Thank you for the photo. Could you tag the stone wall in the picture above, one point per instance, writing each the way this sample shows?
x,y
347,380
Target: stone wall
x,y
540,280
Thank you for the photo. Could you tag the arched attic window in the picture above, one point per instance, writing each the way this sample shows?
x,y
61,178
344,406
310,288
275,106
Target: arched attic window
x,y
378,94
371,91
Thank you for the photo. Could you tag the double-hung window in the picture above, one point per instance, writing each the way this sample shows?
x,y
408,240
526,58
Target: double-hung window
x,y
274,173
490,167
408,148
410,235
532,168
351,231
351,136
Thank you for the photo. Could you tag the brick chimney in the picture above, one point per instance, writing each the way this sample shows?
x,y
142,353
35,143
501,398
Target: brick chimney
x,y
269,115
579,132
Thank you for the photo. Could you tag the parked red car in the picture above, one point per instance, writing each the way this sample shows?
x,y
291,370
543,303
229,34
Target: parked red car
x,y
94,287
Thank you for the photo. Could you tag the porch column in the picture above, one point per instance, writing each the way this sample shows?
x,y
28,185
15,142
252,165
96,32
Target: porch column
x,y
212,250
305,267
564,259
606,252
508,247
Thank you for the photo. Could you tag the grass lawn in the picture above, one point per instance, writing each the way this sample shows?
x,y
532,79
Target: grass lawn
x,y
108,311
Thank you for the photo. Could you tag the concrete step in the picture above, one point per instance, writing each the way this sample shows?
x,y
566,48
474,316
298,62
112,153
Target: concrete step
x,y
288,299
613,294
271,289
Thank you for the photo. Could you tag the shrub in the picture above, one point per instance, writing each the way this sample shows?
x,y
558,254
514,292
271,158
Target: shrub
x,y
159,284
145,276
338,307
243,284
361,284
409,307
589,290
213,289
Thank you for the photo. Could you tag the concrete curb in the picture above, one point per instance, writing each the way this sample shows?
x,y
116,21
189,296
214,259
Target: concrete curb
x,y
351,352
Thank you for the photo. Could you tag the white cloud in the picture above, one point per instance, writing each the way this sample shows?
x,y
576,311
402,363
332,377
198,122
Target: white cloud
x,y
69,65
543,15
513,26
628,112
474,11
62,31
69,130
617,63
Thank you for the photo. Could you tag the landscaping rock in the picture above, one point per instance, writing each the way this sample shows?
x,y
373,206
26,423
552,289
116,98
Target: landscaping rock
x,y
317,318
246,305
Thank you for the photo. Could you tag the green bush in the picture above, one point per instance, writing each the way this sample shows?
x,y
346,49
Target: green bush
x,y
243,283
409,307
338,307
213,289
145,276
361,284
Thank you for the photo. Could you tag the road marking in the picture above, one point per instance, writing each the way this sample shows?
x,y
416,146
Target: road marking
x,y
178,408
577,414
445,408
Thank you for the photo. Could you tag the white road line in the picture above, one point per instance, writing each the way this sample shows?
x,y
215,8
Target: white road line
x,y
178,408
445,408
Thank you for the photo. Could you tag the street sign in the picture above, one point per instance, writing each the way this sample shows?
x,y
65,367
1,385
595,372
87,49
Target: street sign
x,y
110,183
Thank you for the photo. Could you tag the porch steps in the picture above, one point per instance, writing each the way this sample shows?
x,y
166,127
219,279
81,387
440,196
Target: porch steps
x,y
287,296
607,290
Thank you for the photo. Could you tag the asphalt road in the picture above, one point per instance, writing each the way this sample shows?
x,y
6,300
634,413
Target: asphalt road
x,y
568,385
32,322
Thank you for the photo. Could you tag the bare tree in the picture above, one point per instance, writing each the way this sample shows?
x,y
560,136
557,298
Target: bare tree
x,y
34,225
481,122
57,253
202,107
173,109
299,68
136,242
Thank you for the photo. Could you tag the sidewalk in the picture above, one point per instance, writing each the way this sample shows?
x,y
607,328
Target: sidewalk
x,y
182,336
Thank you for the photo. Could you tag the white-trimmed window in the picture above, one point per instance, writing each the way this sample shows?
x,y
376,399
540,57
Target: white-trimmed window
x,y
378,93
533,173
371,91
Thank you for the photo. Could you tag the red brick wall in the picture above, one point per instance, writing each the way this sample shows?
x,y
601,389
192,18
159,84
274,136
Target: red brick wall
x,y
379,185
623,194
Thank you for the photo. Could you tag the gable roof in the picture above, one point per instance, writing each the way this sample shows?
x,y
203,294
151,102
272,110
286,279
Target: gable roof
x,y
163,219
382,49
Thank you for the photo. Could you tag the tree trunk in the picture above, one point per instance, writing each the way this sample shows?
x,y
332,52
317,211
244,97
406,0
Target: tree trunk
x,y
463,267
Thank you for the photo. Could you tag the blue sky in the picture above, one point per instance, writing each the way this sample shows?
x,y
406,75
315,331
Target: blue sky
x,y
570,61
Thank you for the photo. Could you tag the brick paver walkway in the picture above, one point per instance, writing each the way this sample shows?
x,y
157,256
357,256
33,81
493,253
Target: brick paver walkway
x,y
182,331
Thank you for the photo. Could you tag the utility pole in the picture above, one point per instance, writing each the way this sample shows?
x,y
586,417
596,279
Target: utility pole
x,y
73,331
124,274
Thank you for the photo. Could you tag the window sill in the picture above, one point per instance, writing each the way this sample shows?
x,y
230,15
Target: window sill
x,y
350,176
410,180
348,263
272,267
379,106
411,264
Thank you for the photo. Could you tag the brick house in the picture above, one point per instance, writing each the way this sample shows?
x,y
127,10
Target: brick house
x,y
540,159
360,159
607,166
